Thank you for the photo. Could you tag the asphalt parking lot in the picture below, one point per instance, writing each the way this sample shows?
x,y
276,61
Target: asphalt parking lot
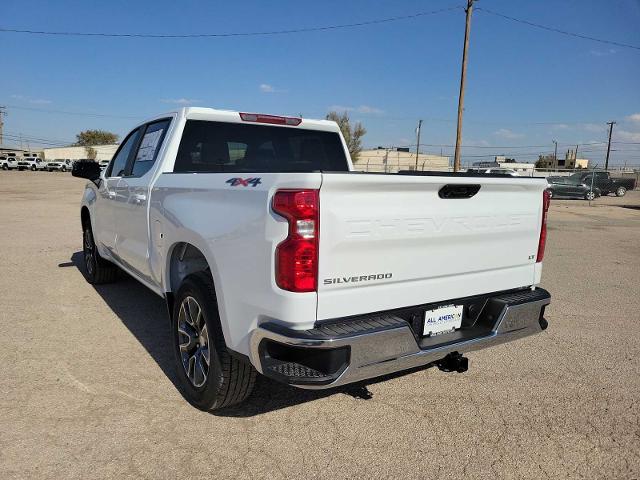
x,y
88,383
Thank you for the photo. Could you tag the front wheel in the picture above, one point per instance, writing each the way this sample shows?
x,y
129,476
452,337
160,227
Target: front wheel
x,y
589,196
33,168
97,269
620,191
5,167
210,378
64,169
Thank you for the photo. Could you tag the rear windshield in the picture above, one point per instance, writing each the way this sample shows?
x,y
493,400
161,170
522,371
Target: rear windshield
x,y
235,147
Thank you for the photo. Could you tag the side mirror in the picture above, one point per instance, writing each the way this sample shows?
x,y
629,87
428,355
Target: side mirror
x,y
86,169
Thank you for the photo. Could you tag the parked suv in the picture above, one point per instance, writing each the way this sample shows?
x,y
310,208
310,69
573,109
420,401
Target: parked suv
x,y
59,164
31,163
8,163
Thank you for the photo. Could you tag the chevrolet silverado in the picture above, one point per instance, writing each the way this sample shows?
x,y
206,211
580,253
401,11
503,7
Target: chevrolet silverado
x,y
274,256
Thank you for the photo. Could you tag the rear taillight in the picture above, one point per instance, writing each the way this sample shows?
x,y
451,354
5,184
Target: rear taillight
x,y
297,256
273,119
546,200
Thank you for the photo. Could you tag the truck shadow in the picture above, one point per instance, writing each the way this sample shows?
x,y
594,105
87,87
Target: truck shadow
x,y
145,316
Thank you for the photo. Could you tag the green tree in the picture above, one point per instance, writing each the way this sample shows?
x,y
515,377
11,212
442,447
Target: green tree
x,y
88,138
352,135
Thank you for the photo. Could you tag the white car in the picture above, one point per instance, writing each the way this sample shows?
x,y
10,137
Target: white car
x,y
8,162
494,170
31,163
274,257
59,164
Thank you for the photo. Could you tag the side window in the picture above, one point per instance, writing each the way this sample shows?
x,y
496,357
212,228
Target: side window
x,y
149,147
119,162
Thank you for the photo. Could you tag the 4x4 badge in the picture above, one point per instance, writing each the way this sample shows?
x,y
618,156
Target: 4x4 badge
x,y
244,182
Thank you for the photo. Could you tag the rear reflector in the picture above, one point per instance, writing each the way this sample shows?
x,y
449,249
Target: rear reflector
x,y
297,256
273,119
546,200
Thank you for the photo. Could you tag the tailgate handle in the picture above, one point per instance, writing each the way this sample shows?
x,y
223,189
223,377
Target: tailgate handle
x,y
458,191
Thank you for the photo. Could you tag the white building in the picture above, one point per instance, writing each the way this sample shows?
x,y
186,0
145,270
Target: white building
x,y
103,152
392,160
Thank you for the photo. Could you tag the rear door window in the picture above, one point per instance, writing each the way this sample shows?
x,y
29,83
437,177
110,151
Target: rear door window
x,y
149,147
210,147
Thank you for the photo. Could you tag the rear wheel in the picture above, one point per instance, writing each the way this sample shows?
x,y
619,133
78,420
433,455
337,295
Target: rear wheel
x,y
33,168
5,167
620,191
210,378
97,269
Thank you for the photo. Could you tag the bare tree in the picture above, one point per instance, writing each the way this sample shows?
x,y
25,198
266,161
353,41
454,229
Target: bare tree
x,y
92,153
352,135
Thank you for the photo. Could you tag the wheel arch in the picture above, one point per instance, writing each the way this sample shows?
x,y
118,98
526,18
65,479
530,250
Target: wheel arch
x,y
183,259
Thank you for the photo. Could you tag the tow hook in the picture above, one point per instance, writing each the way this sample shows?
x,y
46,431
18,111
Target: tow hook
x,y
453,362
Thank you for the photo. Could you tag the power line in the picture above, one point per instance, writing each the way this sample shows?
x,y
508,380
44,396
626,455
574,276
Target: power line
x,y
33,137
557,30
84,114
234,34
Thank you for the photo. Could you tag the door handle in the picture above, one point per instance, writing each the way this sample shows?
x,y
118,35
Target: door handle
x,y
139,198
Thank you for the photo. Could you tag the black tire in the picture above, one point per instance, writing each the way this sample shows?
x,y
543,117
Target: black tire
x,y
590,196
97,270
33,168
5,167
228,380
621,191
64,169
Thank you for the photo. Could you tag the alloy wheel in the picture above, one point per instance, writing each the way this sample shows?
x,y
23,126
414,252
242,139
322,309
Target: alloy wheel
x,y
88,250
193,341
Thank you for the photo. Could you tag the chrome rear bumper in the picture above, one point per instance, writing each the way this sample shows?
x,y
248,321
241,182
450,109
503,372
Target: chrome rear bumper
x,y
358,349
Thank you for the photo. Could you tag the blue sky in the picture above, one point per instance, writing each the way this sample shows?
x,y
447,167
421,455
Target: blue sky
x,y
525,86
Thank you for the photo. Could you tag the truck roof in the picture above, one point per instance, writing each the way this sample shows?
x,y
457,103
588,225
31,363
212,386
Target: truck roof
x,y
233,116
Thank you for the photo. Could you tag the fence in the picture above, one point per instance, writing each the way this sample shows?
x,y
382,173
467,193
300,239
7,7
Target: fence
x,y
435,164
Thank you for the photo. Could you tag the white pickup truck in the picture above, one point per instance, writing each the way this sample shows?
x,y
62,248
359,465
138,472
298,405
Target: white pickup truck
x,y
274,256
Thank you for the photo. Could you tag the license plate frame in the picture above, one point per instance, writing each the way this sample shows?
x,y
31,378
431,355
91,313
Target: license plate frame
x,y
441,320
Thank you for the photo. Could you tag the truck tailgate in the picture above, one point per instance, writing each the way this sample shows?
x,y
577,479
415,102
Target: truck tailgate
x,y
390,241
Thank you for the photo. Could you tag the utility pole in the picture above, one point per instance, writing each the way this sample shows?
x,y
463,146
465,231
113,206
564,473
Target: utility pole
x,y
418,142
606,162
463,75
2,114
575,158
555,154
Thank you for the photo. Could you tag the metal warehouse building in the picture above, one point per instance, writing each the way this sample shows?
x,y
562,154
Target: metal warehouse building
x,y
103,152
